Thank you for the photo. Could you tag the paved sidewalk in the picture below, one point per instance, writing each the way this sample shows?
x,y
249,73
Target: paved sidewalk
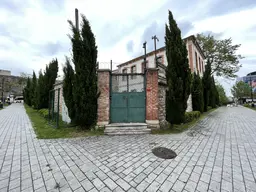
x,y
219,154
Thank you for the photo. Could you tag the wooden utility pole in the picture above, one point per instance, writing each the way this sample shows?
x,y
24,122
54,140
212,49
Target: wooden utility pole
x,y
77,19
145,54
155,39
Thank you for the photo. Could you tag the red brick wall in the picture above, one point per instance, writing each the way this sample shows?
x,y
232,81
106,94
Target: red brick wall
x,y
152,94
103,100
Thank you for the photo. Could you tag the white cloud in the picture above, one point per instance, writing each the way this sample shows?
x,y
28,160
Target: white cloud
x,y
31,40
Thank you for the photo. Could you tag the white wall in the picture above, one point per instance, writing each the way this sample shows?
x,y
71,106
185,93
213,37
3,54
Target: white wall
x,y
64,112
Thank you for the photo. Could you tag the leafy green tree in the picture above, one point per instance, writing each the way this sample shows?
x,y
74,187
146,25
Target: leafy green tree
x,y
197,94
241,89
33,89
178,73
207,84
23,79
68,84
222,94
221,54
217,95
85,78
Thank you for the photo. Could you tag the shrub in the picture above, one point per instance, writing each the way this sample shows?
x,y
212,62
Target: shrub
x,y
209,108
43,112
246,105
190,116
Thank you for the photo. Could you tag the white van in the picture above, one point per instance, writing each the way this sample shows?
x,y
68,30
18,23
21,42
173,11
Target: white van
x,y
19,99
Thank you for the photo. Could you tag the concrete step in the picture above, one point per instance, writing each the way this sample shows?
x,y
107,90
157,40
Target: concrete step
x,y
126,125
126,129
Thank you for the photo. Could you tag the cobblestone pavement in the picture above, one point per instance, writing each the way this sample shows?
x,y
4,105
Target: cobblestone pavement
x,y
219,154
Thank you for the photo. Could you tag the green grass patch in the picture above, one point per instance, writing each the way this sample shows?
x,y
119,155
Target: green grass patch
x,y
44,130
174,129
250,107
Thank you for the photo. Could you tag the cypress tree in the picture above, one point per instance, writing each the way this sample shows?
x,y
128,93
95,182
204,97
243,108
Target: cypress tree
x,y
39,96
27,94
207,84
68,84
197,94
33,89
213,94
50,75
178,74
85,79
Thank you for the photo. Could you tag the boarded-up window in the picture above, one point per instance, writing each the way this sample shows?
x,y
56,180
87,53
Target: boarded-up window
x,y
124,77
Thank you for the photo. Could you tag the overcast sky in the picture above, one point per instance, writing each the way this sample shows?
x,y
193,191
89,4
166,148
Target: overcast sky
x,y
32,32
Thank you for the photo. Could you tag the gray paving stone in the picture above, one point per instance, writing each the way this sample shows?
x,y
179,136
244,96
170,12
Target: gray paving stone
x,y
98,184
123,184
110,183
166,186
87,185
222,144
202,186
4,183
153,187
142,186
140,177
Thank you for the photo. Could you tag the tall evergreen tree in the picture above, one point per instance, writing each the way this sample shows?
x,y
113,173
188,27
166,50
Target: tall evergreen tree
x,y
39,96
178,73
68,84
33,89
50,75
27,92
197,94
212,94
85,79
207,84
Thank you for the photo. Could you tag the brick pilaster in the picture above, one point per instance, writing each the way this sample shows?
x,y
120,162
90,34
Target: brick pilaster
x,y
103,100
152,98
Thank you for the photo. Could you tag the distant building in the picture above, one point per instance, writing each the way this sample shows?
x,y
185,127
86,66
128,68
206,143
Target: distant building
x,y
9,84
250,78
5,73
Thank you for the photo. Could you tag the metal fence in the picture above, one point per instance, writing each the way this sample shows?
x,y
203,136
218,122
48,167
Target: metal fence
x,y
54,107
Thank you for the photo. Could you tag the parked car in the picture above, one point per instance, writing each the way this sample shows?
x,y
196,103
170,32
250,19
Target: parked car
x,y
19,100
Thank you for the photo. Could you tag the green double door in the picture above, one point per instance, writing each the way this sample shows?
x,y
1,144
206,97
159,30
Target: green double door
x,y
127,107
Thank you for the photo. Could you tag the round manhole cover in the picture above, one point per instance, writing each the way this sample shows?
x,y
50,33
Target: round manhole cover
x,y
164,153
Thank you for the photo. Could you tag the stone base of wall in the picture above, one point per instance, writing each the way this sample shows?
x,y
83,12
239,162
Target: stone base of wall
x,y
102,123
164,124
153,124
162,102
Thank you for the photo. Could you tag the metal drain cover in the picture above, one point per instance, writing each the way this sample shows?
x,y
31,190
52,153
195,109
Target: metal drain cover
x,y
164,153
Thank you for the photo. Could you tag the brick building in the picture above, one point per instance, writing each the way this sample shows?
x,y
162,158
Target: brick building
x,y
134,95
155,86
